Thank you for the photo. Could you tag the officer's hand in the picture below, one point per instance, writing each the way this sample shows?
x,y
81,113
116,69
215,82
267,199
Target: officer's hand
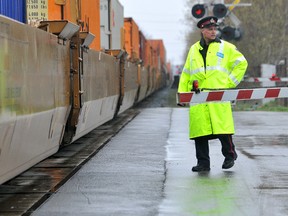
x,y
181,104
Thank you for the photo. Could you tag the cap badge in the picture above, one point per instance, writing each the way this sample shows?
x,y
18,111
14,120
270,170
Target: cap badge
x,y
212,20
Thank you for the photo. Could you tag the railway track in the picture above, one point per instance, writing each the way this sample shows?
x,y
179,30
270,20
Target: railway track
x,y
24,193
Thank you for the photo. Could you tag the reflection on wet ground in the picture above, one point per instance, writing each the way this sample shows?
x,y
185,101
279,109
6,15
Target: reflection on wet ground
x,y
216,191
251,141
256,185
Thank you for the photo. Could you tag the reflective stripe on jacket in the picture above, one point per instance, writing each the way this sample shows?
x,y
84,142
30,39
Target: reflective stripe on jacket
x,y
225,68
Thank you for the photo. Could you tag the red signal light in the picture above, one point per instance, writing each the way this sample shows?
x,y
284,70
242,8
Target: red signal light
x,y
198,11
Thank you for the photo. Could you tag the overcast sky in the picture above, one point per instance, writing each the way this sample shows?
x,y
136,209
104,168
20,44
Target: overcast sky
x,y
160,19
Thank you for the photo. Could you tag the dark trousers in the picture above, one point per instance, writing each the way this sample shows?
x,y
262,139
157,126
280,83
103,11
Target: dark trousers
x,y
202,148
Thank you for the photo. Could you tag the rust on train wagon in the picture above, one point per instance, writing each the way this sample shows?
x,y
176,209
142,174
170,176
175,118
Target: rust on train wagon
x,y
84,13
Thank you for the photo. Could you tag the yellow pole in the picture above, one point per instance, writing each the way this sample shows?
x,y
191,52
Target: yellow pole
x,y
233,5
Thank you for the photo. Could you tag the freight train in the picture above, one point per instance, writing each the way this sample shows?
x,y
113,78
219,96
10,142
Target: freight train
x,y
56,86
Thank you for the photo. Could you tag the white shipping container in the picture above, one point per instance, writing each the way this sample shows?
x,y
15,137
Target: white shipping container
x,y
111,23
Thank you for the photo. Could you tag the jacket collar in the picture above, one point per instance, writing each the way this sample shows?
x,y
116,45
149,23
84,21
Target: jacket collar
x,y
203,44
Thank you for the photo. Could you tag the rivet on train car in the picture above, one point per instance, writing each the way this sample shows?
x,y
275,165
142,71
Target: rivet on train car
x,y
81,92
80,59
73,46
72,70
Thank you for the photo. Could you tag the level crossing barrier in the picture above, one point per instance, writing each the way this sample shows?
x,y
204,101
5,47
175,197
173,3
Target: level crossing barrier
x,y
206,95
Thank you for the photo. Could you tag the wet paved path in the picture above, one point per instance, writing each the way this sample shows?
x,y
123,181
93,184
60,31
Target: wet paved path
x,y
146,170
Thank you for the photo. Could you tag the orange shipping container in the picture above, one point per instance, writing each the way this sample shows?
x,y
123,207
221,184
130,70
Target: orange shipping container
x,y
87,11
144,50
159,50
149,53
155,54
131,38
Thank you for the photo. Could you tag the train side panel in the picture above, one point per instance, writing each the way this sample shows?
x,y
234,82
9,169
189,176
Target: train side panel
x,y
130,86
34,99
143,82
101,78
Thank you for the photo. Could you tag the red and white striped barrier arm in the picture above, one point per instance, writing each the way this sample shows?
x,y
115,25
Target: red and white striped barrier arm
x,y
265,79
232,95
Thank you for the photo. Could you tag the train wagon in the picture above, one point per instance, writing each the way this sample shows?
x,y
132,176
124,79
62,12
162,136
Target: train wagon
x,y
57,84
34,99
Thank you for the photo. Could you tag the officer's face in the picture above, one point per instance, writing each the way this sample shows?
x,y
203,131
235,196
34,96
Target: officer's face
x,y
209,33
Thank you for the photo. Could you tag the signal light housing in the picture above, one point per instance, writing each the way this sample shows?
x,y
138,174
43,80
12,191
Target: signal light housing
x,y
229,33
219,10
198,11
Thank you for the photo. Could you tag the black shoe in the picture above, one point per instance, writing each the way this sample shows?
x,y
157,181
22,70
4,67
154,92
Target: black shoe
x,y
227,164
200,168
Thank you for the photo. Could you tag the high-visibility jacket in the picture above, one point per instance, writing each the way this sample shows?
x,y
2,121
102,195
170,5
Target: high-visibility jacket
x,y
225,68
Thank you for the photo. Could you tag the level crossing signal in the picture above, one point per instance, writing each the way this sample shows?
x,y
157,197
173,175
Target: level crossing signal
x,y
220,11
198,11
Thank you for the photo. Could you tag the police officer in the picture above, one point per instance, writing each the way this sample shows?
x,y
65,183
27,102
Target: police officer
x,y
215,64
